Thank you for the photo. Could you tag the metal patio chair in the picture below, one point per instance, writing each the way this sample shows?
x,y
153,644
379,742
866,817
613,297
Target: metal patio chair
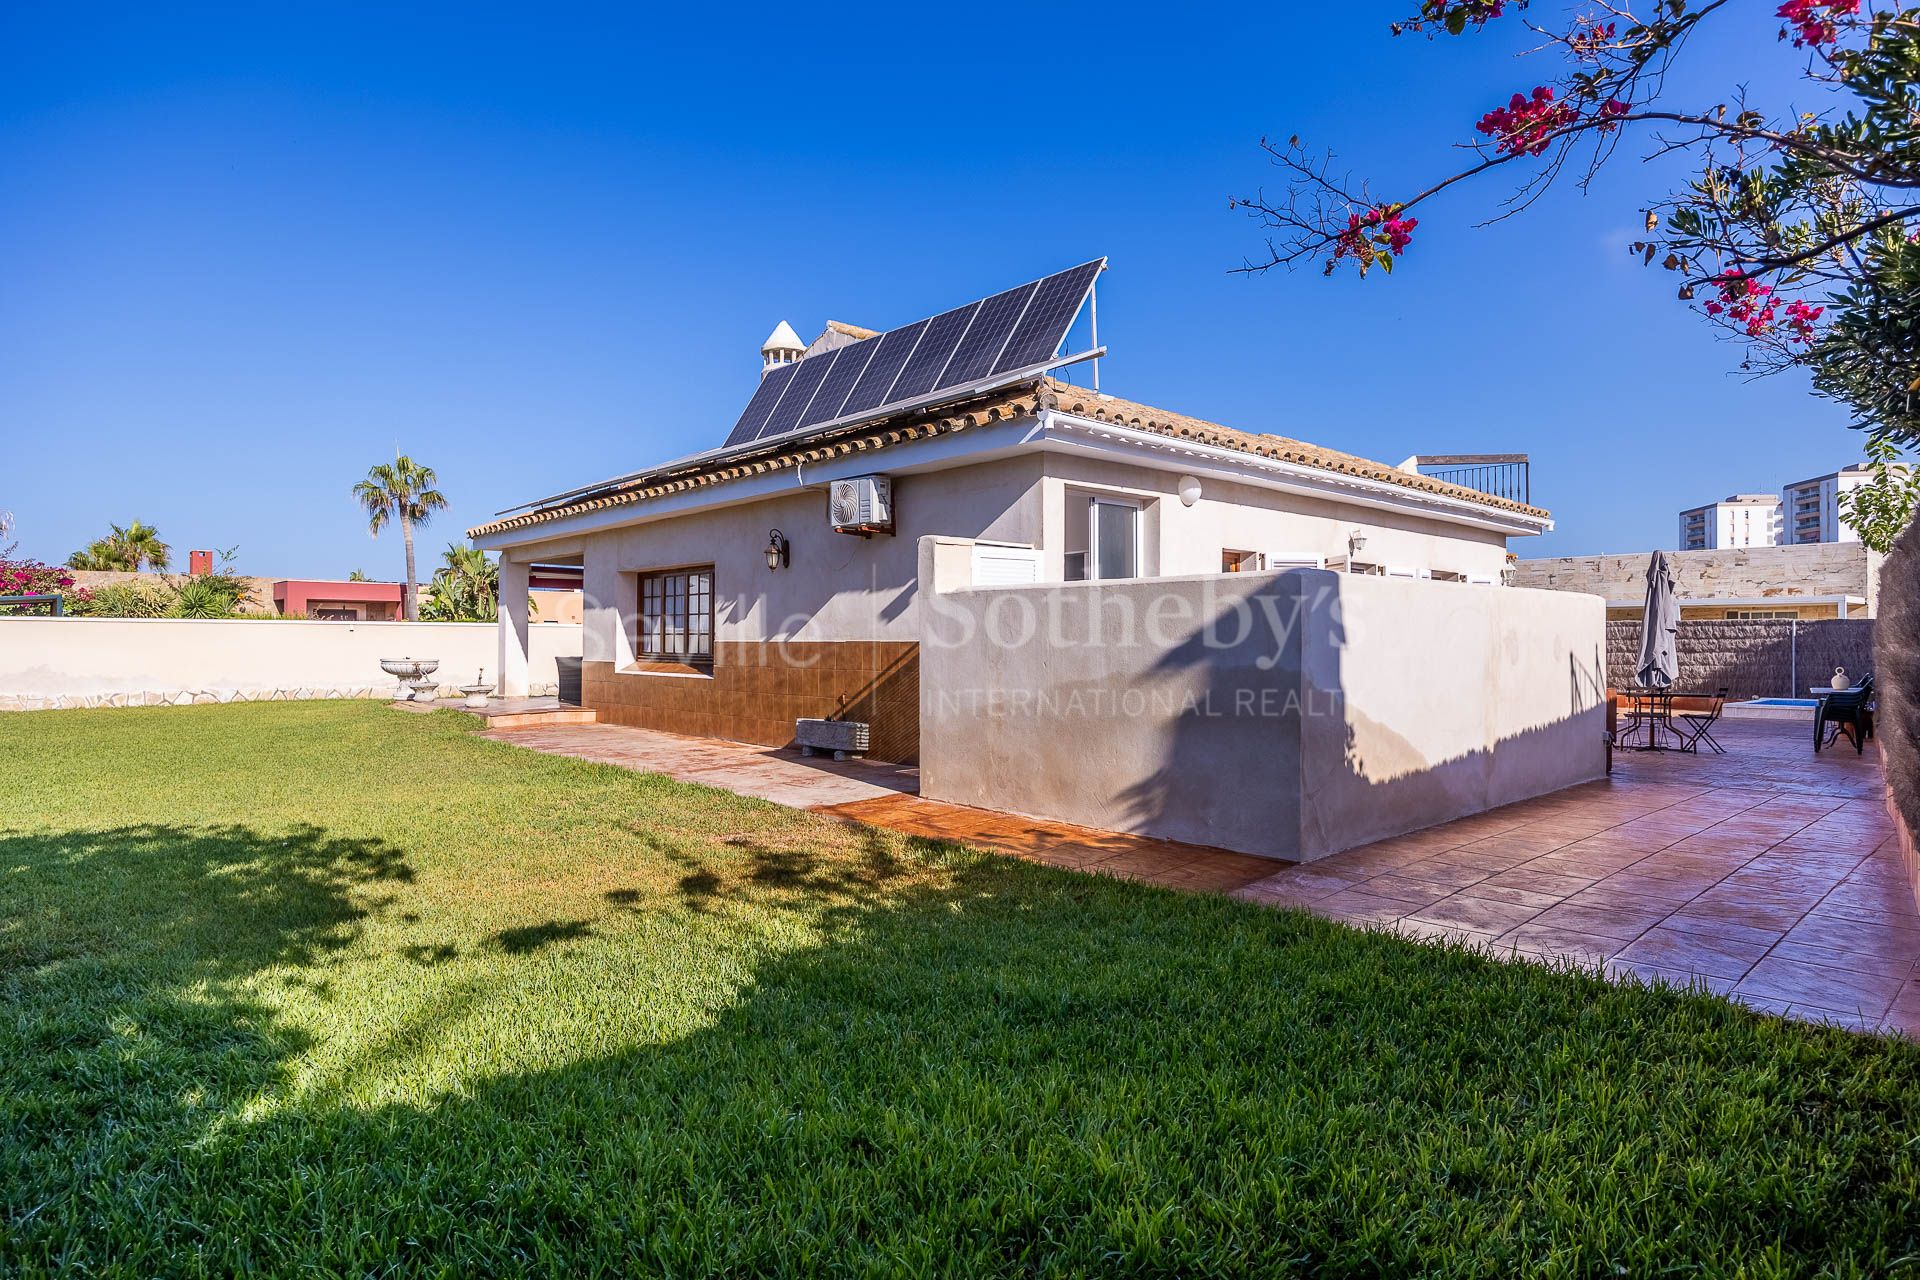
x,y
1696,727
1848,711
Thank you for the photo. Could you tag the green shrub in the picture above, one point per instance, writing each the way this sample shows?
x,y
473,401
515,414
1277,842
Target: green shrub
x,y
208,596
203,596
127,600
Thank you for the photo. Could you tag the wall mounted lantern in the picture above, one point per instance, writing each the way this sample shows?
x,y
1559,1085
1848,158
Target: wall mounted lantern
x,y
1189,490
779,550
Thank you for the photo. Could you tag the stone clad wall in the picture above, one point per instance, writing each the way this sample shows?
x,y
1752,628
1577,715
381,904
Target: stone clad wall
x,y
1739,573
1751,659
259,597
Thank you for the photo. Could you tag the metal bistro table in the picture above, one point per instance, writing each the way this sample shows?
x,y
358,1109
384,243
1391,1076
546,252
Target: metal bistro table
x,y
1654,709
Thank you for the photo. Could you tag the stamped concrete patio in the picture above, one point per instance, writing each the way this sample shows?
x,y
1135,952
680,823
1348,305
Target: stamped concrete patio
x,y
1767,874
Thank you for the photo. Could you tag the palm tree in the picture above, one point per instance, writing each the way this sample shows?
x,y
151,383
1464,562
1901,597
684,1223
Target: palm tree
x,y
95,555
464,587
403,490
127,548
139,544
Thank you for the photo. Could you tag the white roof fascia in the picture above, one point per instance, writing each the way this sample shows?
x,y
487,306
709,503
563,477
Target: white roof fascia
x,y
1169,453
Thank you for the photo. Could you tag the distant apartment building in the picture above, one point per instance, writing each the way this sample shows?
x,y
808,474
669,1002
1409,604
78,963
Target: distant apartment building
x,y
1807,511
1811,508
1738,520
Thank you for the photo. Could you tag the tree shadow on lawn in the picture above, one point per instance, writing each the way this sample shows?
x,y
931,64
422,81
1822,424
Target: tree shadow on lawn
x,y
1007,1068
125,1018
528,938
212,900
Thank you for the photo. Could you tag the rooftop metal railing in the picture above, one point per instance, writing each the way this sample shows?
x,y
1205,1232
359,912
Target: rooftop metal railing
x,y
1503,475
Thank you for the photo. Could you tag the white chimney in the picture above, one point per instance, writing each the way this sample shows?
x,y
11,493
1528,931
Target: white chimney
x,y
783,346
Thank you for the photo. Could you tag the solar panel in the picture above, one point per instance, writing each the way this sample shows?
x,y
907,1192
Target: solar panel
x,y
952,352
839,381
808,374
922,373
979,351
1051,313
768,395
895,346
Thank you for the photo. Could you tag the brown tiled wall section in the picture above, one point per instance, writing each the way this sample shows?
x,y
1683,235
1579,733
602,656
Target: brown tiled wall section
x,y
757,691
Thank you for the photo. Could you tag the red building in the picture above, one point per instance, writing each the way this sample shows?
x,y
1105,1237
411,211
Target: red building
x,y
338,601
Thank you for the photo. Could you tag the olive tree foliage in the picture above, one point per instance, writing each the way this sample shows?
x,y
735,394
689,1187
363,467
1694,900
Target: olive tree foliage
x,y
1880,510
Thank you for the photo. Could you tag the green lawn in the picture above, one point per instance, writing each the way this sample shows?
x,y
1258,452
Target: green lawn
x,y
319,987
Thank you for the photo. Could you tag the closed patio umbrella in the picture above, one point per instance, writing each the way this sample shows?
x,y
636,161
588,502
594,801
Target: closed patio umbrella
x,y
1659,623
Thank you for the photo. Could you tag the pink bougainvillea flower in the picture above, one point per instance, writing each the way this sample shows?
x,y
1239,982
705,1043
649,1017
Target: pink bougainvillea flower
x,y
1526,124
1811,22
1370,233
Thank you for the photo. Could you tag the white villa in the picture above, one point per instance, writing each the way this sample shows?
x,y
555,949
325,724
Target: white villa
x,y
777,577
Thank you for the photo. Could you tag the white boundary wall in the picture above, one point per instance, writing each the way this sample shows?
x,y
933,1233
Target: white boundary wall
x,y
90,662
1290,714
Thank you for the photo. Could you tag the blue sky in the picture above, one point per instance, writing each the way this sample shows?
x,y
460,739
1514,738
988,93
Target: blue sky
x,y
245,253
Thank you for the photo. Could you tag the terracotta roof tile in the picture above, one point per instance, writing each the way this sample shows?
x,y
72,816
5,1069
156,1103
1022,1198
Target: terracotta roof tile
x,y
1005,405
1140,417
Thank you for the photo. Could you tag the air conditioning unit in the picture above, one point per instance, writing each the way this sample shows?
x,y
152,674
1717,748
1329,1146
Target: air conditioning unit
x,y
862,505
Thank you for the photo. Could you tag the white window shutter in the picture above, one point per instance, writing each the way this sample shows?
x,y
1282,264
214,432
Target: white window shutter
x,y
997,566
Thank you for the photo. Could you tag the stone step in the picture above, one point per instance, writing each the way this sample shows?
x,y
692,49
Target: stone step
x,y
541,719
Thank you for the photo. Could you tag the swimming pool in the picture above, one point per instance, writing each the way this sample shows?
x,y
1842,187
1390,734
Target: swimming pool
x,y
1781,702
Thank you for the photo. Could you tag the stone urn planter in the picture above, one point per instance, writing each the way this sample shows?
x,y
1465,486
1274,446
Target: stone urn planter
x,y
409,672
477,692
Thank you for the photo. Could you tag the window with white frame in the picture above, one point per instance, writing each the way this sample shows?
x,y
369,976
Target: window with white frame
x,y
1114,537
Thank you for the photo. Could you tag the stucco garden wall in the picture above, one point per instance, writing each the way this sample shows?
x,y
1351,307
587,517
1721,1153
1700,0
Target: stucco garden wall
x,y
1287,714
84,662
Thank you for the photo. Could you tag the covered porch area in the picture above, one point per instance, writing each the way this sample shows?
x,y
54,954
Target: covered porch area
x,y
553,568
